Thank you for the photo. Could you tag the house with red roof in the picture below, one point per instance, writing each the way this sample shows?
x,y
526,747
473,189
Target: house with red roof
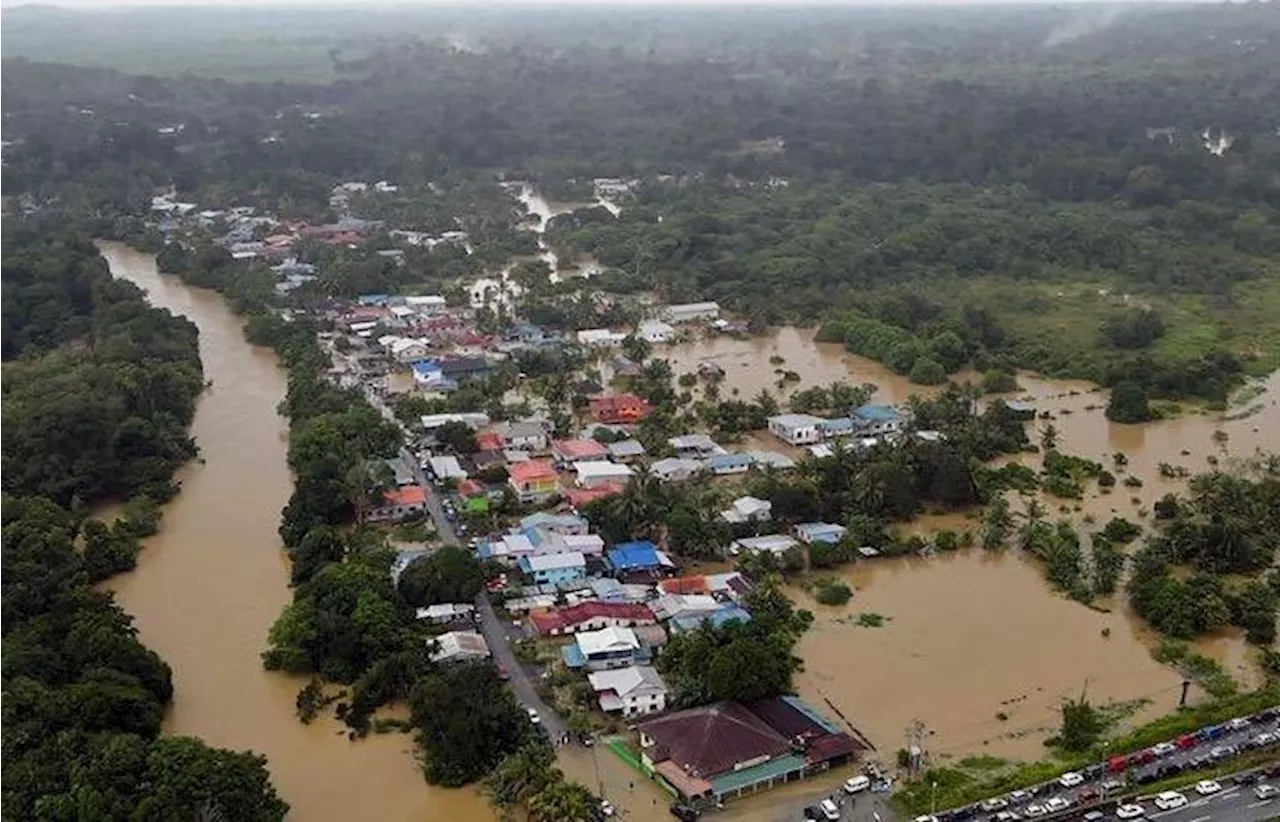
x,y
398,503
715,753
578,497
567,452
592,616
622,409
533,480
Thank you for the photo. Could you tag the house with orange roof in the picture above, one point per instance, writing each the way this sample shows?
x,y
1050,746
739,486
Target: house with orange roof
x,y
533,481
399,502
579,497
622,409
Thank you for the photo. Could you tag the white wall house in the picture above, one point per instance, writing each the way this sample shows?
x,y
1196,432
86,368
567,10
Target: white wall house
x,y
796,429
632,691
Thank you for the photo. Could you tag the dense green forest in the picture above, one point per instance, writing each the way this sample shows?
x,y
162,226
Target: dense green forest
x,y
98,391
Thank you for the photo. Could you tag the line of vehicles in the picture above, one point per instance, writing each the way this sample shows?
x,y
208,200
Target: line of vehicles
x,y
1110,778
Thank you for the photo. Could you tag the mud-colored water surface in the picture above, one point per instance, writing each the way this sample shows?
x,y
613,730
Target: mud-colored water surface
x,y
208,587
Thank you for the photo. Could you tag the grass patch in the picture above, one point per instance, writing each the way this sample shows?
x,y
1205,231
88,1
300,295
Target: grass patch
x,y
982,763
832,592
871,620
1205,672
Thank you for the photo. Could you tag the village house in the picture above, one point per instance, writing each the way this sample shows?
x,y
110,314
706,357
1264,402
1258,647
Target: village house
x,y
670,606
622,409
673,470
426,303
592,615
459,646
796,429
776,544
533,481
748,509
580,497
474,420
446,612
401,473
726,613
727,586
605,649
597,473
554,569
567,452
525,436
632,691
691,312
878,420
565,524
625,451
639,556
656,331
725,464
771,459
600,337
823,532
718,752
446,468
398,503
694,446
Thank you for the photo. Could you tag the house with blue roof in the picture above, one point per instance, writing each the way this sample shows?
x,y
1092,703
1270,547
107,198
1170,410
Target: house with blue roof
x,y
718,619
877,420
839,427
825,532
637,556
723,464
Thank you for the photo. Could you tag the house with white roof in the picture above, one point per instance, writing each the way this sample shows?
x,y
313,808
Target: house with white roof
x,y
656,331
601,472
748,509
445,612
672,469
604,649
447,468
630,691
773,543
796,429
689,312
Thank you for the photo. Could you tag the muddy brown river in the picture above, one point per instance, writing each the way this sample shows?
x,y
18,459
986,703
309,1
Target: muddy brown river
x,y
209,585
967,635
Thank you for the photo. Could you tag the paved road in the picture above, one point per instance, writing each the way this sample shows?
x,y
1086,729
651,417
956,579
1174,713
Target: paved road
x,y
444,528
1237,738
520,682
1236,803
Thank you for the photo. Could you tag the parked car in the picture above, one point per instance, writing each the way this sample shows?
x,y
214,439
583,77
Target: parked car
x,y
1088,794
1238,724
1093,771
830,810
687,814
1265,791
533,716
606,808
857,784
1264,739
1188,741
1130,811
1071,779
503,673
1208,787
1146,777
1223,752
994,804
812,814
1006,816
926,818
1250,778
1112,785
1018,797
1094,816
1170,800
1164,749
1033,811
1057,804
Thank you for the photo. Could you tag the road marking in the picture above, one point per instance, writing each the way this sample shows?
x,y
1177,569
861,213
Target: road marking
x,y
1202,819
1259,804
1200,803
1231,795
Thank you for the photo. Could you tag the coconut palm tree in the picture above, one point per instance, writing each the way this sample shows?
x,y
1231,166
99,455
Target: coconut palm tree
x,y
564,801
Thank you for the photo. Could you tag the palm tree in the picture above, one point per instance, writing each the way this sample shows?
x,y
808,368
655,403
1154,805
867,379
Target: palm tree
x,y
523,775
563,801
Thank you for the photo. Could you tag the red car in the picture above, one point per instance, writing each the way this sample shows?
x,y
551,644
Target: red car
x,y
503,673
1118,764
1188,741
1088,794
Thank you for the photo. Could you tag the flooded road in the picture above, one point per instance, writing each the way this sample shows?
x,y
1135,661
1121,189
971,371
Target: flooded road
x,y
209,585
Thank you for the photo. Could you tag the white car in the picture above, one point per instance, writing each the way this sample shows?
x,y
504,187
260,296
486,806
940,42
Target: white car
x,y
1265,791
1207,787
994,804
925,818
533,716
1129,811
1170,800
1018,797
829,809
1006,816
1057,804
1033,811
606,808
1238,724
1264,739
857,783
1164,749
1071,779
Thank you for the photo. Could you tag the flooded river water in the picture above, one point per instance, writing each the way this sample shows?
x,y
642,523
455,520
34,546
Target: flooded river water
x,y
209,585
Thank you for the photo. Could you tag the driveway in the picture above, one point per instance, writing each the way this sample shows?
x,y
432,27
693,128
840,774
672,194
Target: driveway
x,y
494,634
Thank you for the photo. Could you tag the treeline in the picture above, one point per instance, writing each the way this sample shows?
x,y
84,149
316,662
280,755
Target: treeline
x,y
101,377
1225,533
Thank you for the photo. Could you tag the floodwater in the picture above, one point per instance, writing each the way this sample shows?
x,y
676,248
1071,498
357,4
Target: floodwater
x,y
209,585
1036,645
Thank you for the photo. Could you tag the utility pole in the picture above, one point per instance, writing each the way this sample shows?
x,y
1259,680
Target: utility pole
x,y
915,735
1186,686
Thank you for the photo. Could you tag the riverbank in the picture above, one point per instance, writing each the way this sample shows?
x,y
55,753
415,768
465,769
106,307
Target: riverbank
x,y
211,583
